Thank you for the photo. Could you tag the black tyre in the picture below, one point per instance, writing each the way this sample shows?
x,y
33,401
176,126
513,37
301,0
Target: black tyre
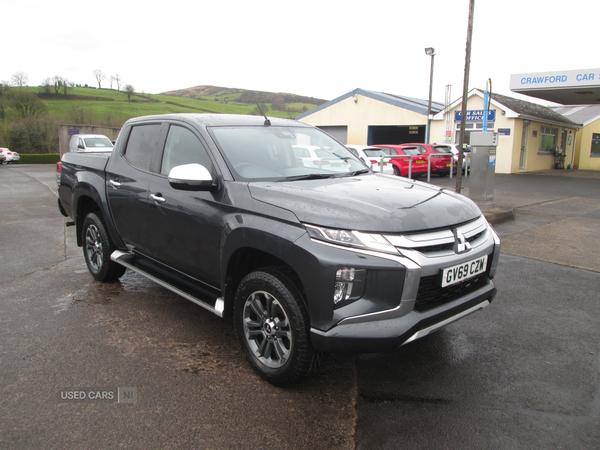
x,y
396,171
97,248
273,328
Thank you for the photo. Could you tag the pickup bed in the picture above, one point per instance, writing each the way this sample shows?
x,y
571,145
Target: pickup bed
x,y
307,256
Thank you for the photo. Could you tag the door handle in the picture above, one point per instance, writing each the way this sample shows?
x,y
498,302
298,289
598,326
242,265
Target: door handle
x,y
114,183
157,198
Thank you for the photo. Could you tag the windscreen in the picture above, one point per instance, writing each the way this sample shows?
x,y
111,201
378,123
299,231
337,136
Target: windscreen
x,y
283,153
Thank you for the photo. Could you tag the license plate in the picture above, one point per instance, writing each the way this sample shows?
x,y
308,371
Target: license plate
x,y
419,161
448,165
460,272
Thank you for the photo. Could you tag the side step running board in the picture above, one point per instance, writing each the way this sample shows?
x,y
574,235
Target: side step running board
x,y
132,262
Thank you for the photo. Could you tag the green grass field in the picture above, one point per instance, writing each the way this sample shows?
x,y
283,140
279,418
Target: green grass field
x,y
113,105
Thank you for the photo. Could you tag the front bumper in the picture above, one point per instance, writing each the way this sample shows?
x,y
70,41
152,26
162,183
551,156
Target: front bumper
x,y
395,329
425,305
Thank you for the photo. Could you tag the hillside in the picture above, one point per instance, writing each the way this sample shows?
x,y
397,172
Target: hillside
x,y
30,116
277,103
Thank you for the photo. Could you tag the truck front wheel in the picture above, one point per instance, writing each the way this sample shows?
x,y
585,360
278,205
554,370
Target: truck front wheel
x,y
97,248
273,328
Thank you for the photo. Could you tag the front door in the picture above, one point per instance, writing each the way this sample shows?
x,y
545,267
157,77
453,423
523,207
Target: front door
x,y
523,146
185,225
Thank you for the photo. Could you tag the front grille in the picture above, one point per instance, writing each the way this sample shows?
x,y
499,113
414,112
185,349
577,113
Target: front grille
x,y
431,294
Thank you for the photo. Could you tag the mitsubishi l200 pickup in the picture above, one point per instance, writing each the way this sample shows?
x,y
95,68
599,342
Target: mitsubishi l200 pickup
x,y
307,257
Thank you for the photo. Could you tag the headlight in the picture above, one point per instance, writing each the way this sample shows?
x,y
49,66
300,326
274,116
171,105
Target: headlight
x,y
351,238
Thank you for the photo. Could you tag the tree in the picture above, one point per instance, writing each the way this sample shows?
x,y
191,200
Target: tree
x,y
111,79
27,104
20,79
118,81
99,75
129,90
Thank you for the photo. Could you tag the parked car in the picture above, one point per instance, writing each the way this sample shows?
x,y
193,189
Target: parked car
x,y
315,156
90,143
400,162
440,165
2,156
10,156
453,148
373,157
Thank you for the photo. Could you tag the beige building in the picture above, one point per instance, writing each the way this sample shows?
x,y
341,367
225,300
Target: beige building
x,y
529,134
587,140
362,117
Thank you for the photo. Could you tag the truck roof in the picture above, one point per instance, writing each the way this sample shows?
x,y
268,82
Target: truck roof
x,y
208,120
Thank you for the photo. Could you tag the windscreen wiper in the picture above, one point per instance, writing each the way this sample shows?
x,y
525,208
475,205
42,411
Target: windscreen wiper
x,y
310,176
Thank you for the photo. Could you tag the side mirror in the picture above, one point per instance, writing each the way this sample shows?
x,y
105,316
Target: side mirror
x,y
190,177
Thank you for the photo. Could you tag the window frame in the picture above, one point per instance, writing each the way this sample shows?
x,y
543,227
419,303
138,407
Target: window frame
x,y
595,143
547,131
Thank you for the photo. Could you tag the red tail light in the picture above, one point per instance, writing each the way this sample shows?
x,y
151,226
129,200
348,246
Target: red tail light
x,y
58,171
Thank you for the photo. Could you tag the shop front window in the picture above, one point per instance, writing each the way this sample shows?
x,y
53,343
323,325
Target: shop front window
x,y
548,140
471,127
595,144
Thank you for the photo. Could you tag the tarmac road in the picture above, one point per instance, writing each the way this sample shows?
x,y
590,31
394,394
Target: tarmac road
x,y
524,373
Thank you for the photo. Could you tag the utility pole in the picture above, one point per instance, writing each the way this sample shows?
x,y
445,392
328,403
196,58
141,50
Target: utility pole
x,y
463,114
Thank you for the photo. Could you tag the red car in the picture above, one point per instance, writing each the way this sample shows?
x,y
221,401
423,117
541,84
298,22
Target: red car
x,y
400,165
440,165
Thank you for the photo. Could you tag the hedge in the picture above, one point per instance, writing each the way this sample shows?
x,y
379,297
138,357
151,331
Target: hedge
x,y
46,158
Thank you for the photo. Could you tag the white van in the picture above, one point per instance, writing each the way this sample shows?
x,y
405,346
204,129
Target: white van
x,y
90,143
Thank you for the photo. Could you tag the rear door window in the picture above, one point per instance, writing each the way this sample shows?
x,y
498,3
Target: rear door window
x,y
142,144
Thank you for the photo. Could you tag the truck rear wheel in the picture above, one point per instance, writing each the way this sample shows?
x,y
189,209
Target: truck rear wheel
x,y
97,248
273,328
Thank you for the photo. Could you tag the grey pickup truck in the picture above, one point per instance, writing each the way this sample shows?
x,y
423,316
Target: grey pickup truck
x,y
274,223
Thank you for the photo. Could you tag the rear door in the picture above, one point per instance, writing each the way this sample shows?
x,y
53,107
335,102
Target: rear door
x,y
127,176
185,225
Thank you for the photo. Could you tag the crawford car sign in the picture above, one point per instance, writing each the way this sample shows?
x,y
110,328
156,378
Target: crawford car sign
x,y
567,78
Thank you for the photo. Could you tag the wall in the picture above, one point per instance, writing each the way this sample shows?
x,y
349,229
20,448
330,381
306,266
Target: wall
x,y
362,113
584,146
64,137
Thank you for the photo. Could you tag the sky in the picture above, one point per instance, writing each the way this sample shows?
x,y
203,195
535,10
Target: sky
x,y
316,48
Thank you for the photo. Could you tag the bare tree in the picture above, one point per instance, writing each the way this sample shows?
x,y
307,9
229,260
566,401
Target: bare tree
x,y
99,75
57,82
129,90
118,81
20,79
112,80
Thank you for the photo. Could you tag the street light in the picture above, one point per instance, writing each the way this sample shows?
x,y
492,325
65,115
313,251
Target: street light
x,y
431,52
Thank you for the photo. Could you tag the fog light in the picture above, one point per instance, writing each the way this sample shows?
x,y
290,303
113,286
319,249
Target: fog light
x,y
343,284
342,291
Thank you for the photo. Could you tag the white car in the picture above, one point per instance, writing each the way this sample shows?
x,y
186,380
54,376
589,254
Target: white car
x,y
10,156
315,156
445,148
90,143
373,157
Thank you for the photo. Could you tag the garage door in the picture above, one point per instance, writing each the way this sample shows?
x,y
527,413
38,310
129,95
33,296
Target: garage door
x,y
339,133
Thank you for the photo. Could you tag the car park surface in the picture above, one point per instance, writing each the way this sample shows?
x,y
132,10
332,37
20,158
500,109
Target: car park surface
x,y
536,386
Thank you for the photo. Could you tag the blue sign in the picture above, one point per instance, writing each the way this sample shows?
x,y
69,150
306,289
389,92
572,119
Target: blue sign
x,y
73,131
504,131
475,115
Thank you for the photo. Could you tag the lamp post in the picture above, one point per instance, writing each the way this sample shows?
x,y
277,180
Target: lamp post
x,y
431,52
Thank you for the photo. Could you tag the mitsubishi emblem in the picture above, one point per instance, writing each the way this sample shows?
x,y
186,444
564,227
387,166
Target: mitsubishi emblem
x,y
461,245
